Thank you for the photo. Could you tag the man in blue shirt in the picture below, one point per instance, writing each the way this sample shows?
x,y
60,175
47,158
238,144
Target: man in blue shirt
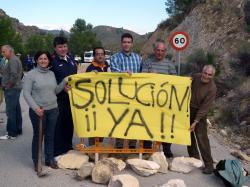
x,y
63,65
126,61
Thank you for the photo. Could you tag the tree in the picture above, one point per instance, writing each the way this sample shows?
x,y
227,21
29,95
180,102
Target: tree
x,y
80,26
9,36
82,38
179,7
39,42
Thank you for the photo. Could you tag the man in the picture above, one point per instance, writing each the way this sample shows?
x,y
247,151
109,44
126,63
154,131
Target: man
x,y
63,65
11,81
203,95
98,64
126,61
159,64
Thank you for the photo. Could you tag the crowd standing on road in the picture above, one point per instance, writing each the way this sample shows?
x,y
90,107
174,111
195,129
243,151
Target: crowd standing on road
x,y
45,91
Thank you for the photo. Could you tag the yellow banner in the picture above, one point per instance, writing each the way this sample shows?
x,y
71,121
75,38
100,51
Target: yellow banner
x,y
141,106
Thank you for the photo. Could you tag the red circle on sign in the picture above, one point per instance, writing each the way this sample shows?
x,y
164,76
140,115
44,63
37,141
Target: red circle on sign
x,y
175,37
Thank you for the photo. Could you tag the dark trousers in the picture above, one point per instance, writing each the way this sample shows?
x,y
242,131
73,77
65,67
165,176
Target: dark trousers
x,y
49,124
202,139
13,111
64,126
119,143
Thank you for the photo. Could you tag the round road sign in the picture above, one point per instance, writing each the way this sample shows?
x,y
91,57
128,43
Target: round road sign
x,y
179,40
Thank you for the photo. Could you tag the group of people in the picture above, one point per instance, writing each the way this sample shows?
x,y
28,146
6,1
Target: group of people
x,y
45,91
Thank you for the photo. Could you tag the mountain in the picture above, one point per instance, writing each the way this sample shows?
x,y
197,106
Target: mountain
x,y
111,36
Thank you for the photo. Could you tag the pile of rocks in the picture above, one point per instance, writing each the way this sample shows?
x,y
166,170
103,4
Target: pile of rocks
x,y
108,170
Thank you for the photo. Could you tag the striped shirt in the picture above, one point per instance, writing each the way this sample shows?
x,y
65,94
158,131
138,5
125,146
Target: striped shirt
x,y
122,62
163,67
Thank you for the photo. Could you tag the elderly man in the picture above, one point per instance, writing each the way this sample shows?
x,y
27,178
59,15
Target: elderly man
x,y
159,64
203,95
11,81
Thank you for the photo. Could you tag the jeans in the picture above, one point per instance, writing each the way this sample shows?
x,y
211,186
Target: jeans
x,y
13,111
49,124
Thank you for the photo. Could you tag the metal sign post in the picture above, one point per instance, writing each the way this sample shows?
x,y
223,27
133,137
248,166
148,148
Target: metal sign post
x,y
179,41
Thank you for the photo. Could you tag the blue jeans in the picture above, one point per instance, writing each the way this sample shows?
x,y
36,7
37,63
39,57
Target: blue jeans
x,y
49,124
13,111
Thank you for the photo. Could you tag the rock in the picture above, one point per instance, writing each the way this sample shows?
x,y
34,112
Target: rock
x,y
118,164
185,164
243,123
223,132
72,160
85,171
101,173
101,156
147,164
160,159
143,167
240,155
174,183
124,180
247,151
237,146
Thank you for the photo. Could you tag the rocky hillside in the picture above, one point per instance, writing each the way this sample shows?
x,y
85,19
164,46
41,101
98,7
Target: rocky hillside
x,y
217,25
111,36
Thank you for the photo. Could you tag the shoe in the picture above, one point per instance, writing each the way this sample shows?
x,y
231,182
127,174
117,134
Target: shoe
x,y
36,167
7,137
208,171
52,164
169,155
20,132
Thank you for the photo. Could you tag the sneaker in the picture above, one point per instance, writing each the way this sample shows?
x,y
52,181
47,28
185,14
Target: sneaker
x,y
7,137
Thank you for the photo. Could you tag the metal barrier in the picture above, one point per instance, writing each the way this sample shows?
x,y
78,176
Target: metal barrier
x,y
97,148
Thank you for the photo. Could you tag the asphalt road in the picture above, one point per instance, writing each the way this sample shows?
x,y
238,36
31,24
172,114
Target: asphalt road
x,y
16,167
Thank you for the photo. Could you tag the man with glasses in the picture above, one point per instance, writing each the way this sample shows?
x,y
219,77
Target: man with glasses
x,y
203,95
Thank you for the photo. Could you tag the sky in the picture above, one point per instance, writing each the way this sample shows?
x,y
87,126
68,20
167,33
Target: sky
x,y
140,16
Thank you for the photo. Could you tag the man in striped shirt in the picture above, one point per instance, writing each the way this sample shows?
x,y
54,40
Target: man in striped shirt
x,y
126,61
159,64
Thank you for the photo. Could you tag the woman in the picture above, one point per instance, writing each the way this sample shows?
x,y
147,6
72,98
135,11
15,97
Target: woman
x,y
40,89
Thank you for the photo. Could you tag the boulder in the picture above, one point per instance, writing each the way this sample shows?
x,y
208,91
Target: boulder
x,y
143,167
85,171
185,164
147,164
143,171
72,160
160,159
101,173
118,164
174,183
124,180
240,155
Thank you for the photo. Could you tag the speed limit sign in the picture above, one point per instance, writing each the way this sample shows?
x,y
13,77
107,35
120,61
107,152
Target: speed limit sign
x,y
179,40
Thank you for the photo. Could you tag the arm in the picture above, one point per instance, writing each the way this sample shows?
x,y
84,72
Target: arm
x,y
203,110
114,65
172,70
13,65
27,89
